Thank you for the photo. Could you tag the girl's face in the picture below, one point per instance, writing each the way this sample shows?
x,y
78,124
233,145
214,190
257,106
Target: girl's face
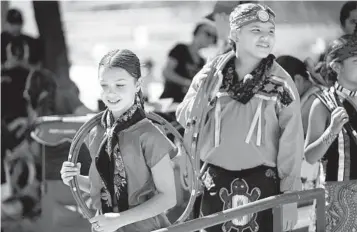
x,y
348,70
256,39
118,89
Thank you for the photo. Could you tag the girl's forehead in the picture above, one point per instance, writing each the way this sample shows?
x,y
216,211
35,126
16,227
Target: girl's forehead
x,y
260,24
114,73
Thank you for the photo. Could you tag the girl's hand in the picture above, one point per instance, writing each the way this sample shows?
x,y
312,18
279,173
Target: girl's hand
x,y
222,25
290,216
339,117
68,171
108,222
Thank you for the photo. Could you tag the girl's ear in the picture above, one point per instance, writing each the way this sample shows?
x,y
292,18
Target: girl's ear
x,y
233,35
336,67
138,83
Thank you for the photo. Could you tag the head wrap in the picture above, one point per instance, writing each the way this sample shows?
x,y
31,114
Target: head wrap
x,y
248,13
342,48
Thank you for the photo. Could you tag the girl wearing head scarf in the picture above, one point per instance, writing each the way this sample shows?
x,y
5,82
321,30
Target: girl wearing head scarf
x,y
129,154
247,109
331,135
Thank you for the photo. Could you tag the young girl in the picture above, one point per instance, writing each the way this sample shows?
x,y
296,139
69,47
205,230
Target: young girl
x,y
129,155
330,136
249,90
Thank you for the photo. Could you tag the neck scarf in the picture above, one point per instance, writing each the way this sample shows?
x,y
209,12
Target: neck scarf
x,y
341,89
245,89
110,162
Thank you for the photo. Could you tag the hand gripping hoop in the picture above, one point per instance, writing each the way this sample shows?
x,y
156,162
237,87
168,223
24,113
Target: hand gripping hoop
x,y
89,125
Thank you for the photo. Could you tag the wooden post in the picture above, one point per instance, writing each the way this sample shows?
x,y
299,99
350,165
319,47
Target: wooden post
x,y
278,219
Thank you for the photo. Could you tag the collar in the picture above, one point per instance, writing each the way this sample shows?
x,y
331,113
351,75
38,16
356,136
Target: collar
x,y
341,89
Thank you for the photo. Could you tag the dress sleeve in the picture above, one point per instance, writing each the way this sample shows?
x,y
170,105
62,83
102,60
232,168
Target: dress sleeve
x,y
155,145
291,141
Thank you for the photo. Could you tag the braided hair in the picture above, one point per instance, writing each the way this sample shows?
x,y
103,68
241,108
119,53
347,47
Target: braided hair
x,y
127,60
339,50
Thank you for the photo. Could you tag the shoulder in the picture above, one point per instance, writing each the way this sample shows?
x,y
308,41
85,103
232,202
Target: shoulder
x,y
179,47
282,78
145,129
278,71
220,61
317,106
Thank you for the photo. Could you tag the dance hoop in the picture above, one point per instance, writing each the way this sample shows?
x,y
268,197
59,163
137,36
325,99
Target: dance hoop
x,y
89,125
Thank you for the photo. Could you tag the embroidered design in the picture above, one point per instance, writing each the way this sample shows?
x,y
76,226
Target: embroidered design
x,y
243,91
106,197
256,83
238,196
110,163
341,207
208,180
270,173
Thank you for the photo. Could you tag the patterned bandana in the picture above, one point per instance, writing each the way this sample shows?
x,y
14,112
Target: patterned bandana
x,y
133,115
248,13
343,48
110,163
244,90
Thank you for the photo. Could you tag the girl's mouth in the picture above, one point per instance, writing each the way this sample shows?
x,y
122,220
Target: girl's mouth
x,y
113,102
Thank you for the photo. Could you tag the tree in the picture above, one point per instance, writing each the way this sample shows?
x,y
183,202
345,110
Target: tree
x,y
48,19
4,8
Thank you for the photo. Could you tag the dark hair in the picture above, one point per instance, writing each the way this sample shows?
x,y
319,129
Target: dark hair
x,y
293,66
346,10
122,58
125,59
198,28
14,16
338,50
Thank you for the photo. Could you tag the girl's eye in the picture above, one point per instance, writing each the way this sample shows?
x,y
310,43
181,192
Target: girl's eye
x,y
272,32
119,85
103,85
256,30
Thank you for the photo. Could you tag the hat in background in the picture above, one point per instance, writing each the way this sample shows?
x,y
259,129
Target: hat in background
x,y
225,7
14,16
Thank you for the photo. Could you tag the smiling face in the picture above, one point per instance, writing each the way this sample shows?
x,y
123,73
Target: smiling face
x,y
118,89
256,39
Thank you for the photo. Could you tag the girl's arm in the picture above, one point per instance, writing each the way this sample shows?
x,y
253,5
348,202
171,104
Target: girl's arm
x,y
315,147
170,74
319,139
163,176
291,142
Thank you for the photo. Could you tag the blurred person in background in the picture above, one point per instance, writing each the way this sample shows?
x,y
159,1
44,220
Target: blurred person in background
x,y
185,61
219,18
18,49
348,23
19,54
348,17
305,85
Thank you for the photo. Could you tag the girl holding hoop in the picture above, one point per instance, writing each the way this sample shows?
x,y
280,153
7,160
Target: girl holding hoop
x,y
253,136
129,155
